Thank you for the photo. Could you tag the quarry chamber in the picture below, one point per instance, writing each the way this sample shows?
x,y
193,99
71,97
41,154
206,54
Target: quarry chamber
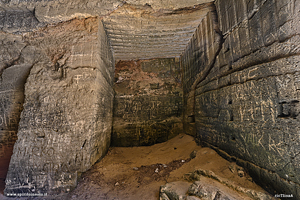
x,y
79,77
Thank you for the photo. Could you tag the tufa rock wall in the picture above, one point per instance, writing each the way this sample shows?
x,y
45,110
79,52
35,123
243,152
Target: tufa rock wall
x,y
148,102
12,79
17,20
66,123
67,117
247,105
53,11
141,32
196,62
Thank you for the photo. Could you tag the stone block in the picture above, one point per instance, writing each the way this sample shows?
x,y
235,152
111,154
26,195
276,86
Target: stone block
x,y
66,123
11,104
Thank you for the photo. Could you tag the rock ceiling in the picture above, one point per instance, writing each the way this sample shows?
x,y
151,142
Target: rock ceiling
x,y
138,29
142,32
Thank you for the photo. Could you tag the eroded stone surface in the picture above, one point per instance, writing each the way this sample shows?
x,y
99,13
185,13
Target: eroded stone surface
x,y
148,102
13,73
240,82
58,10
136,29
66,122
143,32
174,190
17,19
196,62
248,102
205,189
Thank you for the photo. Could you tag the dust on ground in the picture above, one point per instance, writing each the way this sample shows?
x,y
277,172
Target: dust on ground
x,y
135,173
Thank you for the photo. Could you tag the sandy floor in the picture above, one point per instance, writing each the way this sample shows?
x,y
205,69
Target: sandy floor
x,y
135,173
129,173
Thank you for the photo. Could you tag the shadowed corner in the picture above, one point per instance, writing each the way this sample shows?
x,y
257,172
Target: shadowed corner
x,y
4,163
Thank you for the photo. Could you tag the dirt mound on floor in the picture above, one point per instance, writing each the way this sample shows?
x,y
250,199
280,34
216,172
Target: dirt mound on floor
x,y
135,173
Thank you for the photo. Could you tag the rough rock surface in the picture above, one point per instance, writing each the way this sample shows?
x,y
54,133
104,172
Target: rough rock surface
x,y
148,102
143,32
68,62
17,20
240,83
175,190
207,189
138,172
66,123
13,77
196,62
204,190
246,102
62,10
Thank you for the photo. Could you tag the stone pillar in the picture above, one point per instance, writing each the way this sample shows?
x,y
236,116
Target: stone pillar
x,y
66,123
12,79
11,103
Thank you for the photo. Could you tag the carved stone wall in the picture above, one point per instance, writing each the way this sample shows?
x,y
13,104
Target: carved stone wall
x,y
247,105
240,79
196,62
65,126
148,102
52,11
67,117
14,70
17,19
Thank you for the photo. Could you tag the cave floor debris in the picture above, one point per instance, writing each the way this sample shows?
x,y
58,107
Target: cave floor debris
x,y
134,173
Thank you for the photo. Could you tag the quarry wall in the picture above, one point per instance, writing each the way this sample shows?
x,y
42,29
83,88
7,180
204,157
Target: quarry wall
x,y
240,86
11,97
148,102
57,69
15,64
65,125
244,101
